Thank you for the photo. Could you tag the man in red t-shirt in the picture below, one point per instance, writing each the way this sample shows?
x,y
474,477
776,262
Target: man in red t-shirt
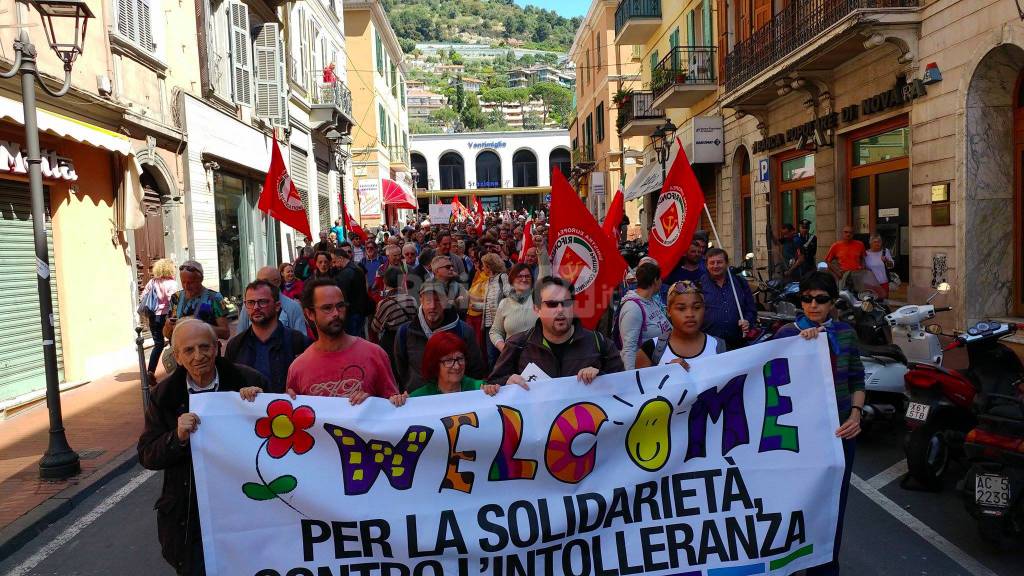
x,y
849,252
338,364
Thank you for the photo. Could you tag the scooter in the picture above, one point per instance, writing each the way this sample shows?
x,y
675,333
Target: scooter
x,y
942,407
776,296
993,489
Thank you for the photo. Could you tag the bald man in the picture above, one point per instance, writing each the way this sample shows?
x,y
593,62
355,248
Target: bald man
x,y
164,444
291,310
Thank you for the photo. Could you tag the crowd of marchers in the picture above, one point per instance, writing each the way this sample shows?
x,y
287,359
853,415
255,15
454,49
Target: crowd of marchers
x,y
463,307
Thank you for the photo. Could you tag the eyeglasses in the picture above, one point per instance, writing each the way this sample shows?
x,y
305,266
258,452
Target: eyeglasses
x,y
192,269
453,362
328,308
552,304
526,276
452,266
263,303
820,298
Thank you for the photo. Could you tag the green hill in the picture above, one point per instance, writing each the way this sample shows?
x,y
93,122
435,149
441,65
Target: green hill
x,y
480,21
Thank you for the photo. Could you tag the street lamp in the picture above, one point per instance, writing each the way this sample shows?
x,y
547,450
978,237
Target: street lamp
x,y
59,461
662,140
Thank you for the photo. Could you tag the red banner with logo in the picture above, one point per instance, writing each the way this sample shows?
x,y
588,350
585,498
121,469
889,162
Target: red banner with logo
x,y
351,226
613,219
677,214
582,253
279,199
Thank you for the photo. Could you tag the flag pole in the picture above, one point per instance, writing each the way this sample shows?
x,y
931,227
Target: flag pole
x,y
727,273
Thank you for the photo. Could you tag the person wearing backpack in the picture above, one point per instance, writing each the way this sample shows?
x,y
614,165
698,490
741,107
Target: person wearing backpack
x,y
434,316
640,317
154,306
686,341
266,345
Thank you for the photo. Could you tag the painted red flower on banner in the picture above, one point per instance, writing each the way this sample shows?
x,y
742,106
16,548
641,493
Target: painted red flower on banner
x,y
286,428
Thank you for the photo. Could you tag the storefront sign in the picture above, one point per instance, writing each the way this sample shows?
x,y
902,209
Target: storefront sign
x,y
597,187
54,167
818,132
487,144
708,140
902,93
369,197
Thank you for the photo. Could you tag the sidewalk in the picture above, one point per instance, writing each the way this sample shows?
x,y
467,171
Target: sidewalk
x,y
102,419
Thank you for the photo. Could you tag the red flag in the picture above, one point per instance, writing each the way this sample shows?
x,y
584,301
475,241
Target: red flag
x,y
581,253
479,215
351,225
677,214
613,219
527,239
279,199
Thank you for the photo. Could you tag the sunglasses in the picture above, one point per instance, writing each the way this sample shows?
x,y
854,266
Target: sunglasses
x,y
192,269
552,304
820,299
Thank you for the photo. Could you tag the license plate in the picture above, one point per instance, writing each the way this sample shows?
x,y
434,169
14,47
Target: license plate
x,y
918,411
992,490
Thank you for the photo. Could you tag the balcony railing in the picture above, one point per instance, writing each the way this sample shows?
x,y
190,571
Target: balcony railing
x,y
684,66
336,94
794,26
583,155
638,106
628,9
399,154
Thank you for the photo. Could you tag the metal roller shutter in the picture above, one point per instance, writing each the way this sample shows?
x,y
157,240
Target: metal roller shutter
x,y
323,195
21,349
298,169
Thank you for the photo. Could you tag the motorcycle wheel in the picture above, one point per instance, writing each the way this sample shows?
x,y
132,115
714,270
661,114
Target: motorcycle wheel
x,y
928,455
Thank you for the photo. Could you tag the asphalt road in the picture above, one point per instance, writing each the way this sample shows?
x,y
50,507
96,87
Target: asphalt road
x,y
889,530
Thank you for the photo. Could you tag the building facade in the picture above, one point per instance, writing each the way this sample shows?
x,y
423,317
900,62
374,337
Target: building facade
x,y
505,170
901,118
380,147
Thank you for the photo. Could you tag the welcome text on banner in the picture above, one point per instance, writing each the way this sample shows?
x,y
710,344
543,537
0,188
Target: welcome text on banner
x,y
731,468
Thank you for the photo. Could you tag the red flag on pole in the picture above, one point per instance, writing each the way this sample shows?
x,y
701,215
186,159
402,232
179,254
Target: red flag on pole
x,y
279,199
479,215
613,219
677,214
527,239
351,225
581,253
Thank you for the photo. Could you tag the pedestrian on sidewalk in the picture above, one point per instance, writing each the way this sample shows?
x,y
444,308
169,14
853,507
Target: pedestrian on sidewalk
x,y
267,345
158,292
164,443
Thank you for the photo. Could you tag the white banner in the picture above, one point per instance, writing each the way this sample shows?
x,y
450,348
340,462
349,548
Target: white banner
x,y
369,197
732,466
440,213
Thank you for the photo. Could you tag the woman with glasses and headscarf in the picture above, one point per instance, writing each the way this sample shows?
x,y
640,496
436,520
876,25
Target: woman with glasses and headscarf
x,y
686,341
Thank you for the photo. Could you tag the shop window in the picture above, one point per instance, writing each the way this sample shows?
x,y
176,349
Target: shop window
x,y
524,169
419,166
488,170
560,158
796,198
453,175
798,168
882,147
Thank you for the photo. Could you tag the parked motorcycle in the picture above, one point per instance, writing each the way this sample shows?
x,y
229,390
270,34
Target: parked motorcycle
x,y
993,489
775,295
942,407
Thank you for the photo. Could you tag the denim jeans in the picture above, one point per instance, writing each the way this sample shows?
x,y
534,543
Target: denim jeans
x,y
156,328
832,568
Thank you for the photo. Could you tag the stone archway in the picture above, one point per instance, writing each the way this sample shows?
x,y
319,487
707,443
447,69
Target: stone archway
x,y
987,276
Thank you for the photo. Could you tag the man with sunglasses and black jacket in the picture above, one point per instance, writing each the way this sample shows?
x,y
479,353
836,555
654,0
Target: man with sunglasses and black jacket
x,y
557,344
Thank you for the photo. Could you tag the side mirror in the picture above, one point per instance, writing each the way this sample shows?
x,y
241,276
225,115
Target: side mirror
x,y
943,288
822,266
749,256
933,329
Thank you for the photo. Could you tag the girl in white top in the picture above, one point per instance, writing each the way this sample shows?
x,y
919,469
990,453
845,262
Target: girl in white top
x,y
686,341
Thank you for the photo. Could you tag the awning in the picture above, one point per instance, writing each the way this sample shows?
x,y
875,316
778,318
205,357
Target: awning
x,y
394,194
648,179
60,125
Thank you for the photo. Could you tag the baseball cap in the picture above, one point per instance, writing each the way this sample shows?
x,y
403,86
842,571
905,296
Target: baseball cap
x,y
191,266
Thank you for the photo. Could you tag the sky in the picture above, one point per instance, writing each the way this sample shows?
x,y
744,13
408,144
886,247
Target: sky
x,y
566,8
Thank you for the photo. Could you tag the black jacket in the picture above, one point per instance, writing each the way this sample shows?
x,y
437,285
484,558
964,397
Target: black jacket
x,y
352,281
585,349
177,511
285,345
411,341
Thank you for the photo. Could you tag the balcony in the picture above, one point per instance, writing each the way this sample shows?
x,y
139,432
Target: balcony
x,y
399,155
815,35
583,156
331,107
685,76
638,116
636,20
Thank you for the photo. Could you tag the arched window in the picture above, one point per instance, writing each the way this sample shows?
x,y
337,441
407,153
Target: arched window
x,y
559,158
488,170
419,164
524,169
453,172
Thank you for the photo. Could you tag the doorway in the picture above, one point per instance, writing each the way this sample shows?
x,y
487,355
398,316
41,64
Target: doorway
x,y
1018,179
149,239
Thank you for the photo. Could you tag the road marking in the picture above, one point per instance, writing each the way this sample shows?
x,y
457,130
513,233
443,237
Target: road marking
x,y
887,476
83,522
965,560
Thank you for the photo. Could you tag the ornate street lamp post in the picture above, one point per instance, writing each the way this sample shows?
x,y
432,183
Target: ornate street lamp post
x,y
59,461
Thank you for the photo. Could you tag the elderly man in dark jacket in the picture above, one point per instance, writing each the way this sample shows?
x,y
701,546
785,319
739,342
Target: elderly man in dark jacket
x,y
557,343
169,426
411,339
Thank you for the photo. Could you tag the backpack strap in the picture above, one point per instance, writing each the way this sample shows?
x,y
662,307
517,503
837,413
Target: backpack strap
x,y
659,351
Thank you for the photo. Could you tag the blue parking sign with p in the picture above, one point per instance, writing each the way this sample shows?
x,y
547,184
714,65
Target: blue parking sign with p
x,y
762,170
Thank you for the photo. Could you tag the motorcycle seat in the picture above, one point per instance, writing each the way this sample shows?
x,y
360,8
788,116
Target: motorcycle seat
x,y
890,351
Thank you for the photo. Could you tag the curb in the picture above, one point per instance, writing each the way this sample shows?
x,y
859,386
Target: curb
x,y
33,523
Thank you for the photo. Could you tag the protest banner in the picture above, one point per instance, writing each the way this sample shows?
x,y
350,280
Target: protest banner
x,y
440,213
730,468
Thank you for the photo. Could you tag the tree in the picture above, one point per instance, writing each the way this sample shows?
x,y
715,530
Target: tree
x,y
473,117
408,46
443,116
557,99
459,102
417,126
456,58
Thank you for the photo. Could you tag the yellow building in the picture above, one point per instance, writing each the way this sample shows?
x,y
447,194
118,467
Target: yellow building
x,y
603,69
681,69
380,141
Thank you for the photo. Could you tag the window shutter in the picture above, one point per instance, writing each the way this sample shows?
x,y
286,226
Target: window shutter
x,y
144,16
706,17
689,28
126,18
241,68
723,37
269,83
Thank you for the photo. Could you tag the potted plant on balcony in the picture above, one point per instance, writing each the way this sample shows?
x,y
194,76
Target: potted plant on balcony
x,y
622,98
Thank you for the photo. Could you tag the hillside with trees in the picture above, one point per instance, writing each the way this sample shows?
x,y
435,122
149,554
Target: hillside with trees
x,y
480,22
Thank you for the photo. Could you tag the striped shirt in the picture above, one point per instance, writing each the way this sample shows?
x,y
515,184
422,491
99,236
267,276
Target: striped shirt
x,y
393,311
847,369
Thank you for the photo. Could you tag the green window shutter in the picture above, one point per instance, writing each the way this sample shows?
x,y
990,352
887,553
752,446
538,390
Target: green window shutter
x,y
690,28
707,24
654,62
379,47
241,66
673,38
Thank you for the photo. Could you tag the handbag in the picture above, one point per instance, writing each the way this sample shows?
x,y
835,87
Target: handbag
x,y
149,300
